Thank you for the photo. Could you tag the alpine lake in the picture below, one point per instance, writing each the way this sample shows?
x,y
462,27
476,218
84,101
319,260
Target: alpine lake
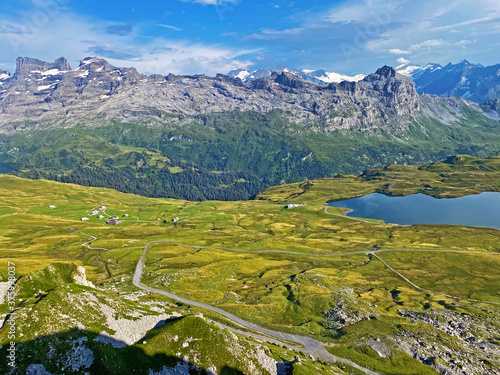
x,y
481,210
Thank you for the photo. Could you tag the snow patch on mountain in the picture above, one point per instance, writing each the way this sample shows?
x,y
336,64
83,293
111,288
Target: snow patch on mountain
x,y
319,77
466,80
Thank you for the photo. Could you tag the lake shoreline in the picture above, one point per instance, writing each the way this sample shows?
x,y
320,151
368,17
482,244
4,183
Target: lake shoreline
x,y
477,210
347,212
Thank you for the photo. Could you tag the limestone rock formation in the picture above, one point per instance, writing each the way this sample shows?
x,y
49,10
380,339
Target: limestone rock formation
x,y
40,92
25,65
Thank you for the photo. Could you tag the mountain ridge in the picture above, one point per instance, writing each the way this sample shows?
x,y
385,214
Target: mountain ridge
x,y
319,76
101,125
474,82
97,89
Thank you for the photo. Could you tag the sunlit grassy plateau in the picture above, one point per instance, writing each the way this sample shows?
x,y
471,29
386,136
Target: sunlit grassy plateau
x,y
318,251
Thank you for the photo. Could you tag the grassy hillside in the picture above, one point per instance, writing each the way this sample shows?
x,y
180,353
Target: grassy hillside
x,y
73,329
454,177
77,156
322,277
230,156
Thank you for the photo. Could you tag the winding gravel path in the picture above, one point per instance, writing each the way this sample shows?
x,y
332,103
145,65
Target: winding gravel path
x,y
428,290
304,343
309,345
365,252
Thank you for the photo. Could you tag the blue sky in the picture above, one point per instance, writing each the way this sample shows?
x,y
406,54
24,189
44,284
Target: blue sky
x,y
211,36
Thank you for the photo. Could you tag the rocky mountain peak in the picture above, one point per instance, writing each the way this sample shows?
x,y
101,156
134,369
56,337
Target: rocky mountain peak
x,y
385,72
25,65
319,77
96,61
4,74
387,77
289,79
99,89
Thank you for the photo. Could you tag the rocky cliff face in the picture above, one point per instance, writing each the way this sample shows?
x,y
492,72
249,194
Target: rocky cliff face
x,y
25,65
39,92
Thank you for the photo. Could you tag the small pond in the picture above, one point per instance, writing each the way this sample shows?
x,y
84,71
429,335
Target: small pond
x,y
482,210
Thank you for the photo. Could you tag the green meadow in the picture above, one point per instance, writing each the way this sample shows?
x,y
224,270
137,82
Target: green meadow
x,y
283,269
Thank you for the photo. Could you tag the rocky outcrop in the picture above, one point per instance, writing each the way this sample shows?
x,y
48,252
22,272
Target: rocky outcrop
x,y
396,89
494,104
80,277
37,369
290,80
453,335
39,92
25,65
348,310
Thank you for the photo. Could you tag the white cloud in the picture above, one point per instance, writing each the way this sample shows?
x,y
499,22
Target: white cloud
x,y
361,11
487,19
428,43
186,58
397,51
149,55
268,34
464,42
169,27
348,13
211,2
432,30
402,60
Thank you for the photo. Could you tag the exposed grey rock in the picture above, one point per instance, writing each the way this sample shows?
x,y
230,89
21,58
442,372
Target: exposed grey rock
x,y
46,95
4,287
80,277
37,369
467,347
382,347
348,310
319,77
25,65
129,331
494,104
79,357
269,364
181,368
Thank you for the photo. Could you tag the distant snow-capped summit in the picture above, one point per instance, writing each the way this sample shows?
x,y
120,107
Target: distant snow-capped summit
x,y
414,71
467,80
319,77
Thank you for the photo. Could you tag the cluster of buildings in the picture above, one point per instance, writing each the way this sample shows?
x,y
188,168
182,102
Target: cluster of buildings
x,y
99,212
95,212
114,220
294,205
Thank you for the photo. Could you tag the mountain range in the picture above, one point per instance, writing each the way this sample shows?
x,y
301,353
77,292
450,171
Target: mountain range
x,y
315,76
469,81
200,137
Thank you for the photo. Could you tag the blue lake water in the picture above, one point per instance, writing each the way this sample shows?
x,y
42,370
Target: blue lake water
x,y
481,210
